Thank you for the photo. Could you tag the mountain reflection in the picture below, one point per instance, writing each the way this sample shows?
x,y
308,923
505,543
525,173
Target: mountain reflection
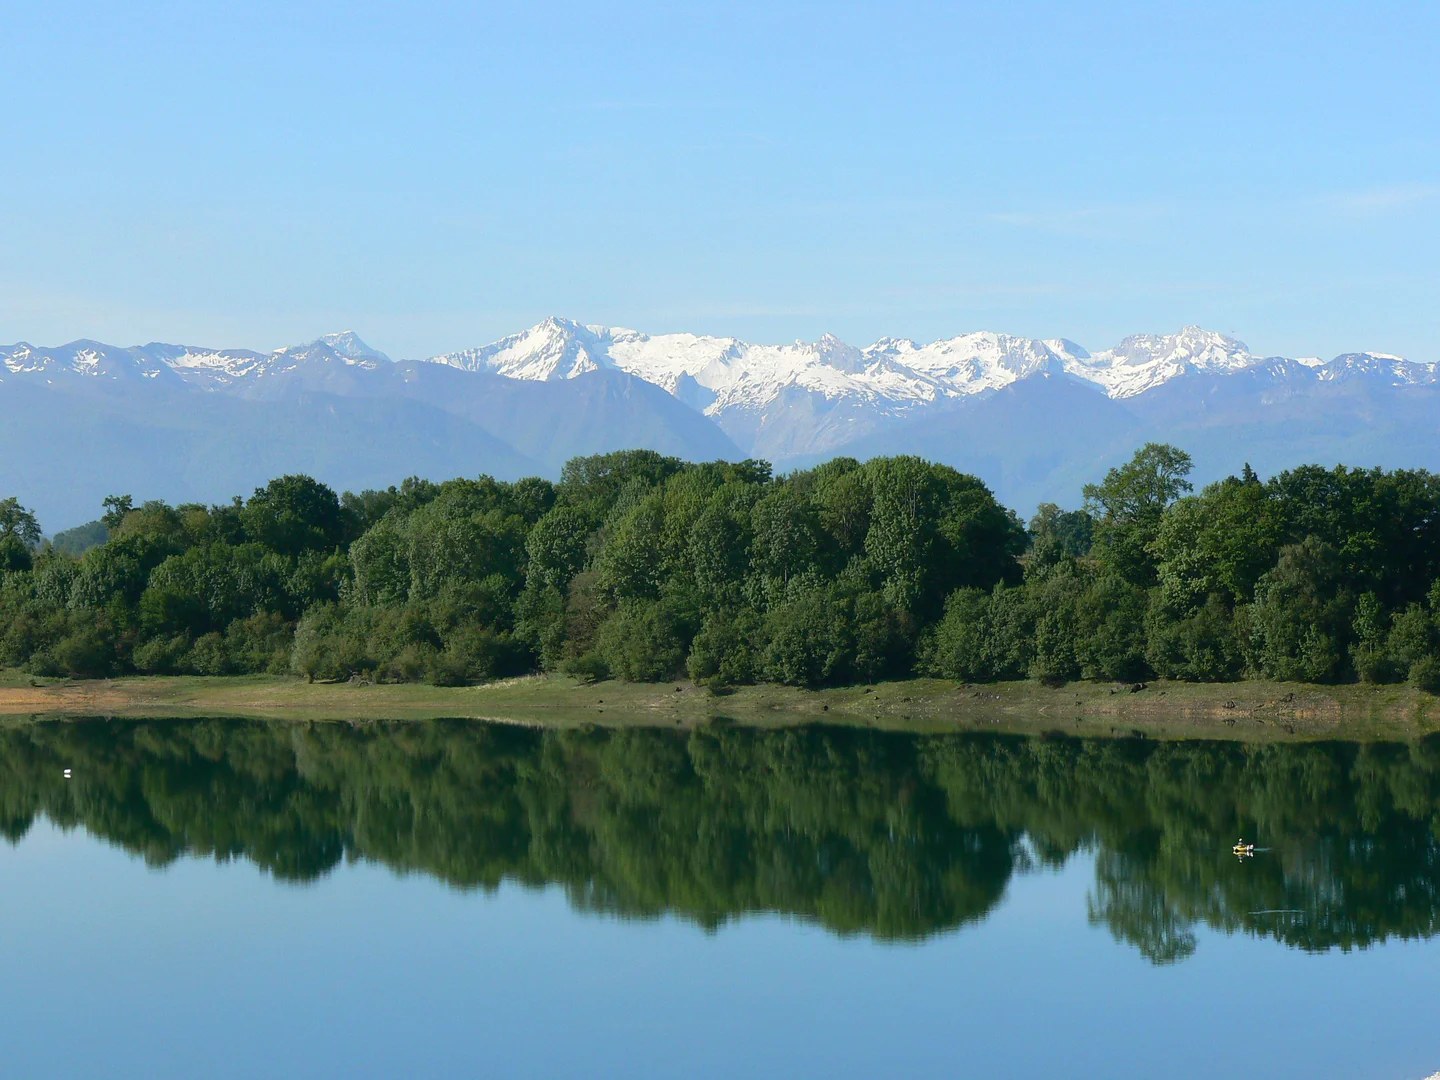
x,y
894,836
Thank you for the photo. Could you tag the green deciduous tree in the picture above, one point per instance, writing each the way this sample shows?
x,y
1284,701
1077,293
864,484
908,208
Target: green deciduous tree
x,y
1128,505
295,514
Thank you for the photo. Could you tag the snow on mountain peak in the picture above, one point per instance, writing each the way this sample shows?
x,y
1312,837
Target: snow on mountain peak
x,y
972,363
725,376
1395,369
842,357
1193,345
91,359
344,347
1143,361
1064,347
894,374
554,349
348,344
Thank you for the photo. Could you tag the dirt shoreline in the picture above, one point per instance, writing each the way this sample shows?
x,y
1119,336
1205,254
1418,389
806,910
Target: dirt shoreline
x,y
1251,711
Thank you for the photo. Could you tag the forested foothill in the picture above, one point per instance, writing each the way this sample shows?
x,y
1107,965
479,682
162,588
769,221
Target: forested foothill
x,y
643,567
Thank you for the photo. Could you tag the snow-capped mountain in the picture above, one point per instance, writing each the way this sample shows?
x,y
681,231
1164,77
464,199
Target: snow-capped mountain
x,y
83,358
893,372
892,375
208,368
783,401
1144,361
1034,417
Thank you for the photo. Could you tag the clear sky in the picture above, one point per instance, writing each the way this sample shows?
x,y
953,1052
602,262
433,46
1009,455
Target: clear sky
x,y
436,176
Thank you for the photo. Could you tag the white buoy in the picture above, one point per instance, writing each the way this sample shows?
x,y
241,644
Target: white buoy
x,y
67,774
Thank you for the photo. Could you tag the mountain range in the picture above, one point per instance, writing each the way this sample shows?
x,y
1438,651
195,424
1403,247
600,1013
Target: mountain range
x,y
1034,418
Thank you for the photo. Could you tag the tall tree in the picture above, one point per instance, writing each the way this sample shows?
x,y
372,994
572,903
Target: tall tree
x,y
1129,504
294,514
18,522
19,534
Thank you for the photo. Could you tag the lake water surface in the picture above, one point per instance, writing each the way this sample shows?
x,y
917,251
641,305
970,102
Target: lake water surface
x,y
225,898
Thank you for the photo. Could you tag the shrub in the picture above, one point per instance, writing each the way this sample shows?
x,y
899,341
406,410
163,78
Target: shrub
x,y
1055,661
1373,664
1203,647
260,643
162,655
883,647
87,653
723,652
809,639
208,656
328,645
474,654
1111,630
412,663
1412,636
1425,674
959,647
641,642
590,667
983,635
1297,619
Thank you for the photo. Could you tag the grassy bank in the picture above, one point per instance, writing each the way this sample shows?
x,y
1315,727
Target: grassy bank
x,y
1249,710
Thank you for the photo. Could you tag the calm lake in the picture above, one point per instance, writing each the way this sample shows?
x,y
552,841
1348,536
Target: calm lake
x,y
226,898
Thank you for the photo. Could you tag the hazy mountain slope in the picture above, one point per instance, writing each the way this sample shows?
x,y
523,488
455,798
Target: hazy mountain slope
x,y
550,421
88,420
1036,440
1279,423
594,413
1036,419
796,402
62,452
1043,439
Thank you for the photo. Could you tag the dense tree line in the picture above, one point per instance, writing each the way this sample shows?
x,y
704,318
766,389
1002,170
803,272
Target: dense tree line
x,y
891,835
643,567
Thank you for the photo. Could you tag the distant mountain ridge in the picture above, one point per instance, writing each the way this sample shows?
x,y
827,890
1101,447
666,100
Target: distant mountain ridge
x,y
528,401
739,374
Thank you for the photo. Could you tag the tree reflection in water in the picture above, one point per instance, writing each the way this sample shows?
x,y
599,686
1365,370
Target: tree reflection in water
x,y
894,836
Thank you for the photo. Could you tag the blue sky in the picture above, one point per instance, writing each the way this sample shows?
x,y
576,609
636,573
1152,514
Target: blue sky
x,y
435,176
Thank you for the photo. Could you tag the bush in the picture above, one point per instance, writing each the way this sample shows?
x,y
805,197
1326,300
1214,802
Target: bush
x,y
883,647
328,645
87,653
723,652
1425,674
208,656
260,644
474,654
641,642
1372,664
959,645
540,623
162,655
983,635
1297,620
1111,634
809,640
1412,636
1055,660
1203,647
413,663
447,669
590,667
